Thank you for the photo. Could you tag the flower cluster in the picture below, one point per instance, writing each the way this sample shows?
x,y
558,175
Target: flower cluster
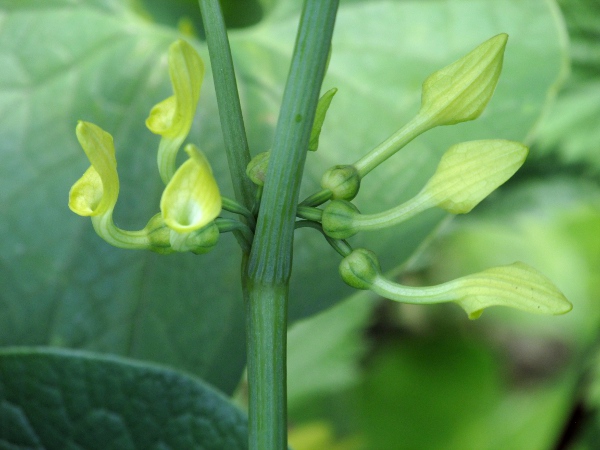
x,y
191,200
467,173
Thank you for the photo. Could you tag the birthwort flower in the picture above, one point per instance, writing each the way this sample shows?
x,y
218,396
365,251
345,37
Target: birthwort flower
x,y
191,200
467,173
172,118
515,285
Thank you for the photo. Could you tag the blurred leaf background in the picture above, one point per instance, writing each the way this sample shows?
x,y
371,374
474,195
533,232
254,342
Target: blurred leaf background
x,y
363,373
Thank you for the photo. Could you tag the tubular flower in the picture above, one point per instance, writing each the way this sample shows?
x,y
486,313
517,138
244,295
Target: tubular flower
x,y
457,93
172,118
96,192
516,285
467,173
461,91
191,200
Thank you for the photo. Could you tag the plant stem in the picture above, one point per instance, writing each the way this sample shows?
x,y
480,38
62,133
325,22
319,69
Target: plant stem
x,y
230,110
269,264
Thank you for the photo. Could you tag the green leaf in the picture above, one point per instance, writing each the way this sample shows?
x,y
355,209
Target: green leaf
x,y
100,61
72,400
455,384
320,114
334,366
571,131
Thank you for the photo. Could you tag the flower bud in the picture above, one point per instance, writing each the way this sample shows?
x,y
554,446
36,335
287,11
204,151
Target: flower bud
x,y
191,200
516,285
360,268
158,234
468,172
461,91
337,219
257,168
342,181
198,241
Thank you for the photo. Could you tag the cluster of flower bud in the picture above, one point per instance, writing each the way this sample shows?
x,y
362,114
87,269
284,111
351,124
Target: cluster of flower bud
x,y
466,174
191,200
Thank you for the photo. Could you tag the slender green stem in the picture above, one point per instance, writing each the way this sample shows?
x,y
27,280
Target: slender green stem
x,y
230,110
419,124
270,260
316,199
393,216
234,207
309,213
242,232
339,245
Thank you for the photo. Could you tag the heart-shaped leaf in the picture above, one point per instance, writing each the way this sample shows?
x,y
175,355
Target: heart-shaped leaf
x,y
66,399
104,62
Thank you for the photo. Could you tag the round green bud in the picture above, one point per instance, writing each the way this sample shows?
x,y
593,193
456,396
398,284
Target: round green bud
x,y
342,181
204,239
159,235
360,268
337,220
198,241
257,168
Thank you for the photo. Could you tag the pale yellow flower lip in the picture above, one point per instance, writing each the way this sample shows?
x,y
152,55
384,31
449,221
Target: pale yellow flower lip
x,y
96,192
192,199
173,117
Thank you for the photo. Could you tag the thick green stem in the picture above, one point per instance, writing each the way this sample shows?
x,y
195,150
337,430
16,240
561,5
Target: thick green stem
x,y
266,327
230,110
269,265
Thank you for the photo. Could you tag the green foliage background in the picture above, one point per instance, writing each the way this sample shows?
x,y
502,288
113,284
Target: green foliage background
x,y
368,374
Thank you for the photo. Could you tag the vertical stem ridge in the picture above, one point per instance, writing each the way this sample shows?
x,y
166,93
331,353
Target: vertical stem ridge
x,y
270,260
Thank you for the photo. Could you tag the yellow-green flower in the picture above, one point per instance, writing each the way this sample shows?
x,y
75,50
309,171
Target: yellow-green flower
x,y
467,173
191,200
96,192
461,91
457,93
172,118
516,285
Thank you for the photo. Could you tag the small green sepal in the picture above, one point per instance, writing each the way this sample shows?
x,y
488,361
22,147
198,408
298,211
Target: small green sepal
x,y
257,168
191,200
321,112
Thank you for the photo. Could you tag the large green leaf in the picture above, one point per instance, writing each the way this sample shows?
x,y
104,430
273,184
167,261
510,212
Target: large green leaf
x,y
72,400
100,61
572,129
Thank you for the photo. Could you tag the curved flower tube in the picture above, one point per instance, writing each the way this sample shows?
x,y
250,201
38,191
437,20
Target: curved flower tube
x,y
191,200
467,173
95,194
457,93
172,118
516,285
